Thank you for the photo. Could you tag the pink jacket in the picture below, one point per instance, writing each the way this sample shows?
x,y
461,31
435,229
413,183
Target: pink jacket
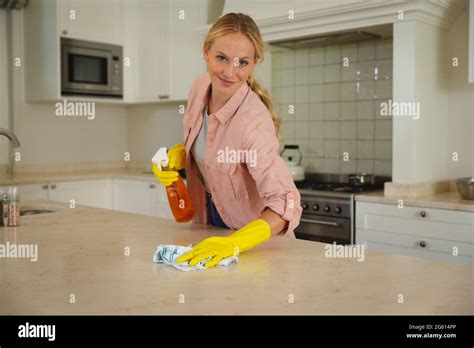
x,y
243,168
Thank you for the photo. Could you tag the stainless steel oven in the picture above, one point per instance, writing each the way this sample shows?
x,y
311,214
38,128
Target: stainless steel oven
x,y
91,68
328,206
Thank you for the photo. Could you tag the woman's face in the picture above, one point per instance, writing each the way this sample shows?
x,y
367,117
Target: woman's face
x,y
230,61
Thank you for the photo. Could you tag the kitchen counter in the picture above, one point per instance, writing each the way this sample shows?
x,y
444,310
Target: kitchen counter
x,y
451,200
81,252
40,178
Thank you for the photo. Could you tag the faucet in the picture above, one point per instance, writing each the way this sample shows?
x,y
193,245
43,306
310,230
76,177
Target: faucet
x,y
12,137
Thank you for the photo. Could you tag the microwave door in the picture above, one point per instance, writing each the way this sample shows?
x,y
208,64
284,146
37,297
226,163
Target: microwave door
x,y
86,71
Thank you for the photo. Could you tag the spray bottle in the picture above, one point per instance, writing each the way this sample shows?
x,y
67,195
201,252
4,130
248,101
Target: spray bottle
x,y
179,200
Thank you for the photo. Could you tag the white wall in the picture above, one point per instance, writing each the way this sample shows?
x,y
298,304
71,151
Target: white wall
x,y
423,72
461,102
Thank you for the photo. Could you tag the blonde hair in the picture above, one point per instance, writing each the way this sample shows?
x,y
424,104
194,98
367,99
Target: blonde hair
x,y
244,24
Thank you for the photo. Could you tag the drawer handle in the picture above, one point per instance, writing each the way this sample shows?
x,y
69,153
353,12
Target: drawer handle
x,y
45,187
422,243
53,186
152,186
423,213
320,222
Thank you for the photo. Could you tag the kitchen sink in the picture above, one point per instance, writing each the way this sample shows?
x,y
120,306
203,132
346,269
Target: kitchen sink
x,y
28,212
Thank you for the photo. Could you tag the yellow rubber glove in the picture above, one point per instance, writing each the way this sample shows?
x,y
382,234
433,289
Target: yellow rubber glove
x,y
249,236
177,161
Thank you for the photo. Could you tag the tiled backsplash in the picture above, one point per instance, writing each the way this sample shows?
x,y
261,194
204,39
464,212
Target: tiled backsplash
x,y
335,94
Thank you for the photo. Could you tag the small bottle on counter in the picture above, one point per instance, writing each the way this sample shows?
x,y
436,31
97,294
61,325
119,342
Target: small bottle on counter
x,y
13,200
2,200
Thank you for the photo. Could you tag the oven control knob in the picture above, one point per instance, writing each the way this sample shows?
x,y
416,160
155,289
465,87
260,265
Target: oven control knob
x,y
305,206
338,210
315,207
327,209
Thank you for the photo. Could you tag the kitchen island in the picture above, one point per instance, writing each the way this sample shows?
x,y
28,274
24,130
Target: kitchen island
x,y
99,261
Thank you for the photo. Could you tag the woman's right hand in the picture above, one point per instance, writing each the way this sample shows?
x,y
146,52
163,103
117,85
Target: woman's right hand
x,y
177,161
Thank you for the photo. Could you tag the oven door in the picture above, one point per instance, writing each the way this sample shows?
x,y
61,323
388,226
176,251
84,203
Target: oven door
x,y
324,229
86,71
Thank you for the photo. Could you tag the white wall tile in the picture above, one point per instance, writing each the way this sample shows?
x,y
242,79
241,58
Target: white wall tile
x,y
365,166
365,149
302,94
384,49
331,111
365,129
349,73
332,92
385,69
366,50
301,112
366,90
383,149
365,109
317,163
348,129
316,74
301,130
332,130
287,77
383,167
383,89
287,130
333,54
317,56
276,61
348,110
287,95
332,73
287,59
367,70
383,129
348,91
316,93
331,165
316,130
302,76
316,111
302,57
349,51
316,147
348,167
331,149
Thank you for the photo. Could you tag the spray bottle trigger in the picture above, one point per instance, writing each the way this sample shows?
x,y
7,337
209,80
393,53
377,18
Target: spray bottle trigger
x,y
161,158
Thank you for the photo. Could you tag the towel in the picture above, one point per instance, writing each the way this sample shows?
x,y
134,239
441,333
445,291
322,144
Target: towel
x,y
167,254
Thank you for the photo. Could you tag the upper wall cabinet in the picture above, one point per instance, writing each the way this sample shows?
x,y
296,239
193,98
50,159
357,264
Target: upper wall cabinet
x,y
92,20
163,47
162,51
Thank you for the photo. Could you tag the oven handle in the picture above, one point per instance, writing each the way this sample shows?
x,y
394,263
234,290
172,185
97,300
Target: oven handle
x,y
320,222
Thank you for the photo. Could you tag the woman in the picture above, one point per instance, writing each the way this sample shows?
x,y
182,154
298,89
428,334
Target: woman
x,y
235,175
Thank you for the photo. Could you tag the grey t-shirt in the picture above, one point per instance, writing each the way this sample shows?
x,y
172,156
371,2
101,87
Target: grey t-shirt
x,y
198,149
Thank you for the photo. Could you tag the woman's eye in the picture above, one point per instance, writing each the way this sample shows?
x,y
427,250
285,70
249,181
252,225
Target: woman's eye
x,y
221,58
243,63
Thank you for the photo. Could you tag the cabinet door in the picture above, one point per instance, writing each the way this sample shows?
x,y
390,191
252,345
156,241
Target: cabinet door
x,y
132,196
93,20
186,46
147,48
160,205
94,193
31,192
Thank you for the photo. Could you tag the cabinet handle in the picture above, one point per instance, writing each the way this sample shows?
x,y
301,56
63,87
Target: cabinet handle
x,y
423,213
422,243
163,96
53,186
152,186
45,187
64,32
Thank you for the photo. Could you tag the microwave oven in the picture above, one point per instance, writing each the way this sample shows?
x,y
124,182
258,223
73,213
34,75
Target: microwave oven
x,y
91,68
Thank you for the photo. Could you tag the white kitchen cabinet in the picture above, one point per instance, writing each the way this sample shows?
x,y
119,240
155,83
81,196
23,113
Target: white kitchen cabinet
x,y
417,231
164,50
140,197
32,191
94,193
92,20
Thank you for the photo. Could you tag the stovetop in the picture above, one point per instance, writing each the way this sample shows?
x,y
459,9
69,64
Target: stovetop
x,y
338,183
336,187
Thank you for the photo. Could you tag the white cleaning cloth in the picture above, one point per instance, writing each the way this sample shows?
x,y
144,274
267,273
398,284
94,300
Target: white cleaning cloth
x,y
169,253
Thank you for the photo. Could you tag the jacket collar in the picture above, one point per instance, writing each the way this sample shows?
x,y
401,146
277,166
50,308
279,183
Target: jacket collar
x,y
229,109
